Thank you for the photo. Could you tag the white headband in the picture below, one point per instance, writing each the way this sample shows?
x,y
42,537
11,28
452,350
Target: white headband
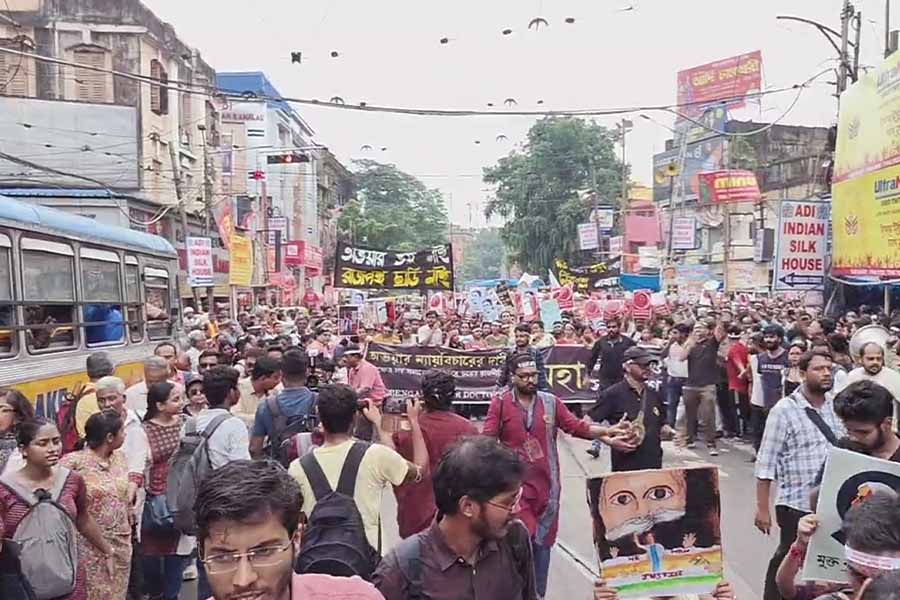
x,y
874,561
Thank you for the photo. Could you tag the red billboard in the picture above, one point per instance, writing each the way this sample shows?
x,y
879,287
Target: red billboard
x,y
728,78
730,185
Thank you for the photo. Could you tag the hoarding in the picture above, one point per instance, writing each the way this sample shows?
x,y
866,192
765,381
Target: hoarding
x,y
800,258
727,79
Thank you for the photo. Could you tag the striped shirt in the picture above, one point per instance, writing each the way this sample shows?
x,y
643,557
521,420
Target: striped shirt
x,y
793,449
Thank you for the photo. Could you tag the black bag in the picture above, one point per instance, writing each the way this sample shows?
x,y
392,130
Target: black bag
x,y
157,517
284,429
409,557
334,540
13,584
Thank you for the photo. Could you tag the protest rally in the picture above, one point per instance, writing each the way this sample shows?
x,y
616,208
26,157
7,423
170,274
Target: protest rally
x,y
395,301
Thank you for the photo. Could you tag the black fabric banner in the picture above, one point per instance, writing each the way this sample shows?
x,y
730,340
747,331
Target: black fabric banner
x,y
357,267
599,276
477,371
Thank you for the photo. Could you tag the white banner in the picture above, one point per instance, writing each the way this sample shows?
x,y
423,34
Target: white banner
x,y
648,257
587,236
200,262
277,224
684,233
615,246
800,240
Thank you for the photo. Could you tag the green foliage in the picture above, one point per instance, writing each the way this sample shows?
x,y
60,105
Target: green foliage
x,y
392,210
483,257
537,189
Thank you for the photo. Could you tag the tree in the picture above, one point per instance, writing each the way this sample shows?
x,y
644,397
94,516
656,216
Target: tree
x,y
538,189
393,210
483,258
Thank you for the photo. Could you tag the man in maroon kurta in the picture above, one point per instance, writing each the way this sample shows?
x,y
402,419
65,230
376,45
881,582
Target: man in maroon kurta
x,y
527,421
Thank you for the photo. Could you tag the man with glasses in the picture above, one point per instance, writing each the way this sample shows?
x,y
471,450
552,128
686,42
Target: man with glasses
x,y
248,519
528,421
477,547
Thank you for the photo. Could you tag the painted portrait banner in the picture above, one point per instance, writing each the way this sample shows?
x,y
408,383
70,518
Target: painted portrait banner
x,y
367,268
850,477
477,371
657,532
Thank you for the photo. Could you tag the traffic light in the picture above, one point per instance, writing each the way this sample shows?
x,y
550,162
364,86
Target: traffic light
x,y
286,158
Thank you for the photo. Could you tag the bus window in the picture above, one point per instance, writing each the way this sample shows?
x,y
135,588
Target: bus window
x,y
157,293
102,297
48,278
7,309
133,310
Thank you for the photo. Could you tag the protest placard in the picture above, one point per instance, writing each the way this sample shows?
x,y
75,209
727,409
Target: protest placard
x,y
657,532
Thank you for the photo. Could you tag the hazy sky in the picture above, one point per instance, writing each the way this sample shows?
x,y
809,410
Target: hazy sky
x,y
390,54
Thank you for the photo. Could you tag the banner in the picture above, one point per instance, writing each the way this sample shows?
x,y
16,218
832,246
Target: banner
x,y
200,262
657,532
592,277
241,261
358,267
224,218
849,479
477,372
728,78
684,233
866,181
730,185
801,244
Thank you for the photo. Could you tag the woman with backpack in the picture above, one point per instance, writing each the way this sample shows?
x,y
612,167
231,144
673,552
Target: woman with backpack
x,y
14,409
105,473
32,502
165,554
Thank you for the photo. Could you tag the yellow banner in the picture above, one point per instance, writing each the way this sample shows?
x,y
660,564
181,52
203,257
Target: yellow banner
x,y
866,183
241,261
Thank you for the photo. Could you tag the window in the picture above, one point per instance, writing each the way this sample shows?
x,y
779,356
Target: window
x,y
157,292
133,310
48,278
102,297
8,335
159,93
92,85
15,70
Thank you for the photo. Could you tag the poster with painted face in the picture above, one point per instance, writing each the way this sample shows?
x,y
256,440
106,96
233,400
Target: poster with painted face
x,y
476,298
657,532
849,479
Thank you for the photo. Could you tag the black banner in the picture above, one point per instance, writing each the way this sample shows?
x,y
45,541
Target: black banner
x,y
357,267
477,371
599,276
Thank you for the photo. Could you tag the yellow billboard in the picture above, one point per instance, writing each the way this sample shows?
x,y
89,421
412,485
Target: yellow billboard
x,y
241,271
866,183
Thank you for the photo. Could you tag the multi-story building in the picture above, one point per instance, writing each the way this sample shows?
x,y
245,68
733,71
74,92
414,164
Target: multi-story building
x,y
117,123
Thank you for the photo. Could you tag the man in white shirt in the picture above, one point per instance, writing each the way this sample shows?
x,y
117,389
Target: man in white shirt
x,y
873,369
430,333
156,370
677,369
230,441
199,343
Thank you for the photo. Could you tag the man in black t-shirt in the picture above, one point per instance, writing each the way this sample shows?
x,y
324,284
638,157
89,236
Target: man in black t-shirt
x,y
701,351
634,399
609,351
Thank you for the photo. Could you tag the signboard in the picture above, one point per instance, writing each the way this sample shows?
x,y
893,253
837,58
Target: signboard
x,y
274,224
654,544
730,78
294,253
648,257
313,260
866,182
367,268
476,372
615,246
684,233
241,261
251,114
603,217
800,258
849,479
200,262
730,185
587,236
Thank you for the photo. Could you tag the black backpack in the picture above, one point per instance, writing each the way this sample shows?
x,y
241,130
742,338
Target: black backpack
x,y
279,446
409,553
334,539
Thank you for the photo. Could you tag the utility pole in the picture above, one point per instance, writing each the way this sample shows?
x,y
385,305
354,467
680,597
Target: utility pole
x,y
207,206
596,201
182,212
887,28
844,70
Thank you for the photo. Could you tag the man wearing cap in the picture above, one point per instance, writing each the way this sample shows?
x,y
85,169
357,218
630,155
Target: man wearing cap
x,y
528,421
632,399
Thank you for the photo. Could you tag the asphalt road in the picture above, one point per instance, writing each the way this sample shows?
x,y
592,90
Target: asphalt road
x,y
574,565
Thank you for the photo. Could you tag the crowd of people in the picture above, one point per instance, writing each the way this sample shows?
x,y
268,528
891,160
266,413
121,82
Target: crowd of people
x,y
288,421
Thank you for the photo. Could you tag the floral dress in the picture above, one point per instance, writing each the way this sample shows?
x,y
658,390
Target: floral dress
x,y
13,510
106,485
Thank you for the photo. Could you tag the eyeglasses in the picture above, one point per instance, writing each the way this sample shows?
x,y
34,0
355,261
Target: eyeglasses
x,y
267,556
509,507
